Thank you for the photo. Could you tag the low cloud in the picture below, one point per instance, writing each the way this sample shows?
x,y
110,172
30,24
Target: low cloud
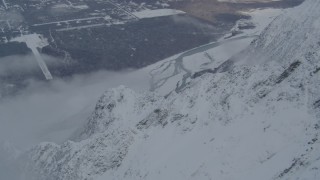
x,y
19,64
53,111
50,111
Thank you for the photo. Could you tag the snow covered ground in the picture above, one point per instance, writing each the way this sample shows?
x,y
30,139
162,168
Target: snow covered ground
x,y
164,77
157,13
178,69
35,41
255,122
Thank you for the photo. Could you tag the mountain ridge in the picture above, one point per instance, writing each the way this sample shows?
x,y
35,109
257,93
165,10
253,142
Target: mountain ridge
x,y
257,120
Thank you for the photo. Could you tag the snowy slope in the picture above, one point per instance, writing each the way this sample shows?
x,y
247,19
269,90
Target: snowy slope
x,y
176,71
257,120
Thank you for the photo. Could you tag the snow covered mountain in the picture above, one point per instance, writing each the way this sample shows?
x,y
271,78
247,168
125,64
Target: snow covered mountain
x,y
257,118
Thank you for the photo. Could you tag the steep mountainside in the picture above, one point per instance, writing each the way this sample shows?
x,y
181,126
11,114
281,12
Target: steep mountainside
x,y
256,120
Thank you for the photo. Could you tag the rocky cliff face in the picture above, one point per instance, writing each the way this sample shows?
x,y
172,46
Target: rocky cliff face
x,y
258,120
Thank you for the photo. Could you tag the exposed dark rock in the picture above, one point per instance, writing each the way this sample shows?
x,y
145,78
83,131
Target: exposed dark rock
x,y
288,71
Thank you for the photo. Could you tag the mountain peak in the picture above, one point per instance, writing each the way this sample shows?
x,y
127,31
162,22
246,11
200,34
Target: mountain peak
x,y
258,120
